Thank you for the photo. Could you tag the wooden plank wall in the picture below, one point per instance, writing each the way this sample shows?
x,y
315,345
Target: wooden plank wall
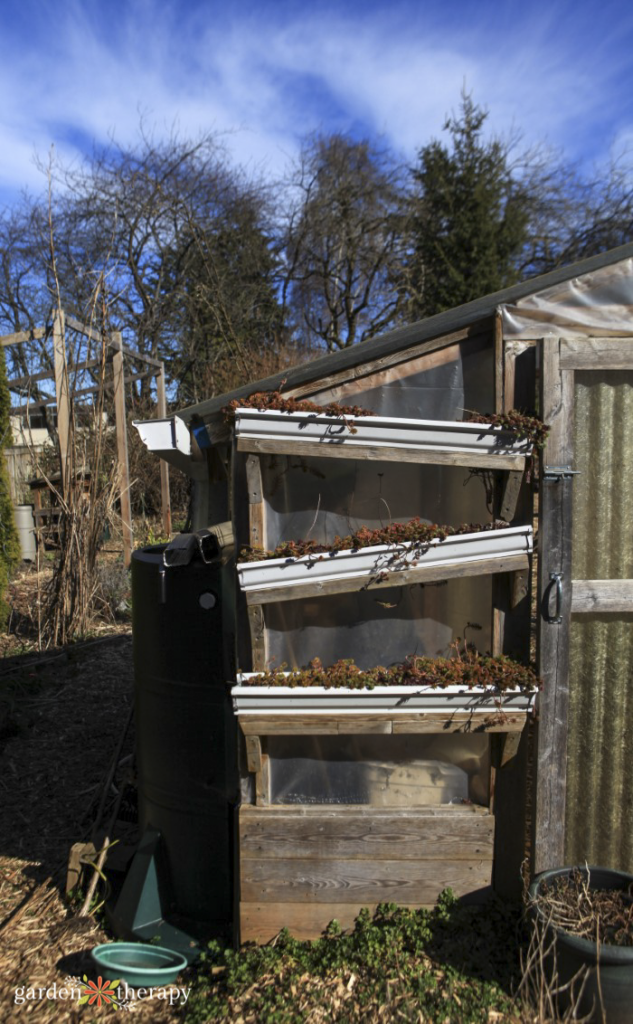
x,y
301,867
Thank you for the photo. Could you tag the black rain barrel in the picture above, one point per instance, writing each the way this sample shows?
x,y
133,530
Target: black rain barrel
x,y
187,771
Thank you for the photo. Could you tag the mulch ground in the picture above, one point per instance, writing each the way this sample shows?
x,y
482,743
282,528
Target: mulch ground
x,y
62,713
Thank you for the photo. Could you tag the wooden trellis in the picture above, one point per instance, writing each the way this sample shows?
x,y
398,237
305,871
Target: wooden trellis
x,y
65,395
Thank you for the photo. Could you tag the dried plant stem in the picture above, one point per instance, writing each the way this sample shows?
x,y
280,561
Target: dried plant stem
x,y
98,867
111,772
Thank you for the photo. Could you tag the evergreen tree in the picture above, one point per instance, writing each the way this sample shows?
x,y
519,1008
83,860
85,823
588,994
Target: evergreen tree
x,y
9,543
470,218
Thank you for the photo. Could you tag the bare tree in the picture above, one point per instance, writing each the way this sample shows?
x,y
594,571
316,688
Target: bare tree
x,y
343,238
231,325
127,215
180,245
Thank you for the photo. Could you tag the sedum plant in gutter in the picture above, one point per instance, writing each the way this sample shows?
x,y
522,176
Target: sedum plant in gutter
x,y
493,674
526,426
275,401
413,532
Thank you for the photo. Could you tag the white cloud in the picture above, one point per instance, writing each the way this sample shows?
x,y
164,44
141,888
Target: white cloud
x,y
271,73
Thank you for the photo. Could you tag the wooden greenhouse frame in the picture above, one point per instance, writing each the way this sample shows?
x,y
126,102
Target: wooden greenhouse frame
x,y
301,865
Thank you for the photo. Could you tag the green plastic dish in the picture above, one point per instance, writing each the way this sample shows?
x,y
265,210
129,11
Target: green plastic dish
x,y
138,963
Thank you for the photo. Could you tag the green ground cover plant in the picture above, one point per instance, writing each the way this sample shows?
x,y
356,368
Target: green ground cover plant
x,y
452,963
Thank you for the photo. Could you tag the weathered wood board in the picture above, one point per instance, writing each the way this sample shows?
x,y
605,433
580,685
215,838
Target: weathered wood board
x,y
302,867
404,723
298,448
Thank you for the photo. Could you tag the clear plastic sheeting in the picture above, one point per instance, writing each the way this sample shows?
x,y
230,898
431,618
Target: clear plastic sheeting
x,y
322,497
319,498
382,771
380,627
597,303
455,381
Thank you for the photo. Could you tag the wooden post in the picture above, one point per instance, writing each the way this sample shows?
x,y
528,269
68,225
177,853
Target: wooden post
x,y
63,399
256,526
554,594
498,339
499,584
121,444
165,500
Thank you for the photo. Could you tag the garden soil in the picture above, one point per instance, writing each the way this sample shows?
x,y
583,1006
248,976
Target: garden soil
x,y
62,713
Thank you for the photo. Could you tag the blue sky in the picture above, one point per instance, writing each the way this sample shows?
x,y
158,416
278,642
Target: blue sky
x,y
75,72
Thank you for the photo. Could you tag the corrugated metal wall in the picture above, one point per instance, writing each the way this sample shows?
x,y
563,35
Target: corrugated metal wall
x,y
600,753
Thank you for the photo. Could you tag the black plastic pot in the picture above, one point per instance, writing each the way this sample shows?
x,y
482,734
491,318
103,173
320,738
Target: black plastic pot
x,y
608,991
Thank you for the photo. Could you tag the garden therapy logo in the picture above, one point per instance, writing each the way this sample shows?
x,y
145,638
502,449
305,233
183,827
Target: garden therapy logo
x,y
100,993
116,994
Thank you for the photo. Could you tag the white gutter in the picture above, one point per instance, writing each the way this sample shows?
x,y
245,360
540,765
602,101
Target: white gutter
x,y
444,437
465,548
295,700
169,438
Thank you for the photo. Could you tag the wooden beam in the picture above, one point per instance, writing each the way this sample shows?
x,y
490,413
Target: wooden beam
x,y
604,596
256,507
511,490
506,496
41,403
291,446
366,832
408,723
21,382
312,880
132,354
499,362
497,620
259,648
122,456
256,538
519,375
89,332
519,392
22,410
416,574
262,922
519,587
554,548
35,334
596,353
114,342
262,782
253,753
62,399
165,497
